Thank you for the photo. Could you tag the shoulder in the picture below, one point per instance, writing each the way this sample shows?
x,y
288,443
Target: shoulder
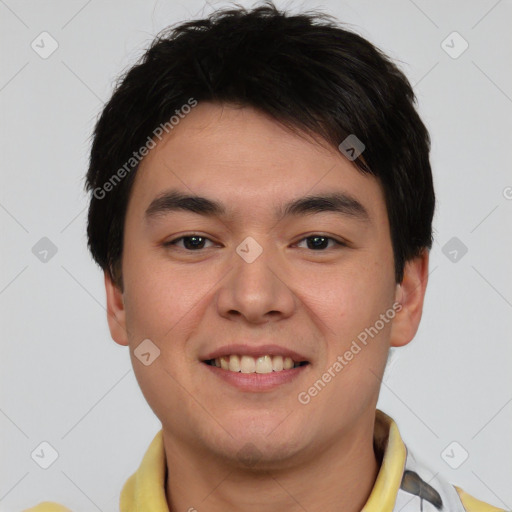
x,y
47,506
471,504
423,489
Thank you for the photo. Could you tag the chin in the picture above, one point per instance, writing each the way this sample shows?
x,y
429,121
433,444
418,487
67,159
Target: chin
x,y
259,446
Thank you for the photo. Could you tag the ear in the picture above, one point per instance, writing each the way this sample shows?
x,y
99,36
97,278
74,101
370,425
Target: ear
x,y
116,314
410,294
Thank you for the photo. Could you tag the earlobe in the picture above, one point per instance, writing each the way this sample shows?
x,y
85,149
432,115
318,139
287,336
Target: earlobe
x,y
410,293
116,313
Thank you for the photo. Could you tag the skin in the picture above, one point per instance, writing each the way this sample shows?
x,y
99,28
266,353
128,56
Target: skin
x,y
317,456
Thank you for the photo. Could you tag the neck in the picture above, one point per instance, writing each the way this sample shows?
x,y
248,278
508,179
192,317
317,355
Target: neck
x,y
339,476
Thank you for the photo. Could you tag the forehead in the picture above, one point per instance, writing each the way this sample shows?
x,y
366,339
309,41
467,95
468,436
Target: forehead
x,y
249,163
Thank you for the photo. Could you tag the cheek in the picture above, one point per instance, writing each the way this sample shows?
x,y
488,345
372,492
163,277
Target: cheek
x,y
161,307
351,305
351,295
158,295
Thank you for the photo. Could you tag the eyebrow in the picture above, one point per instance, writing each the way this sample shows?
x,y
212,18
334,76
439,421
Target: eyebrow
x,y
337,202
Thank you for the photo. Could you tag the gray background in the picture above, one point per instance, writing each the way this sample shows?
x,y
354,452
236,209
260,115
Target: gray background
x,y
64,381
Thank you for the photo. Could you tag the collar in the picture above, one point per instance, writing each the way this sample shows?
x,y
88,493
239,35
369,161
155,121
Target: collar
x,y
145,489
389,446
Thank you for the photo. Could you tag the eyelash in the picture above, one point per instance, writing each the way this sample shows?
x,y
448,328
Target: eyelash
x,y
194,235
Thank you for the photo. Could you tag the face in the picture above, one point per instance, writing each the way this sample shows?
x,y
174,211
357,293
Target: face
x,y
252,285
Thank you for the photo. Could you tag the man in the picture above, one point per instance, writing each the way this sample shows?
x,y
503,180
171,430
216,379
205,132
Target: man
x,y
262,206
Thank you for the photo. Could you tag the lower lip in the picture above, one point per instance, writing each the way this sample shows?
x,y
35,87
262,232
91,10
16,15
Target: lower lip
x,y
257,381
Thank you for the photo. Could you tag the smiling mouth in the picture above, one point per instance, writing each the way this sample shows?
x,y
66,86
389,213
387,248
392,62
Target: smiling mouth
x,y
248,364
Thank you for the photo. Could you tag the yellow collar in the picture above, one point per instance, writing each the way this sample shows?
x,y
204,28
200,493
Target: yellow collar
x,y
388,442
145,489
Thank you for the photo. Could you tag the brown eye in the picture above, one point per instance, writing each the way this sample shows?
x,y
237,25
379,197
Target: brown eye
x,y
190,242
320,242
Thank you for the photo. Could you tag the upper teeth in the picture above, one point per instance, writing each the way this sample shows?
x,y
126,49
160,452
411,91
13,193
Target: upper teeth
x,y
249,364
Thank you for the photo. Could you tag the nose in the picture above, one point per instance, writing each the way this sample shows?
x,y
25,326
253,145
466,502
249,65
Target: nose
x,y
256,289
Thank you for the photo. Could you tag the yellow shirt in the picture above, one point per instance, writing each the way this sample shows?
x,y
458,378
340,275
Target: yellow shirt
x,y
403,484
